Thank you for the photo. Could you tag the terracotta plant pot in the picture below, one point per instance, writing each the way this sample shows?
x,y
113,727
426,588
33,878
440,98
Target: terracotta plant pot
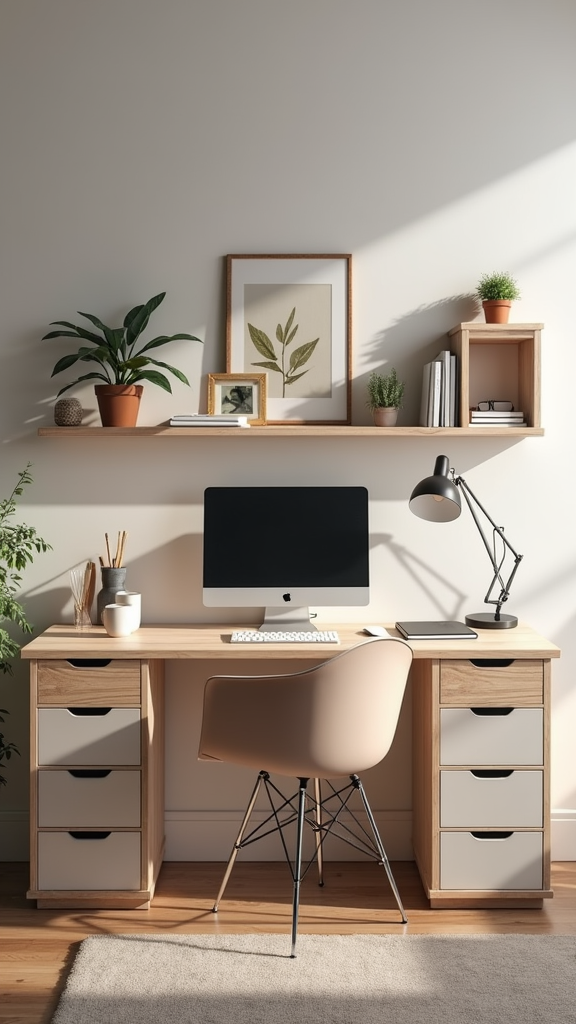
x,y
496,311
118,404
385,417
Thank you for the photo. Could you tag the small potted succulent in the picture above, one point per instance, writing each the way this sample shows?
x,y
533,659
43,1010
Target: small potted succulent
x,y
385,394
497,292
121,364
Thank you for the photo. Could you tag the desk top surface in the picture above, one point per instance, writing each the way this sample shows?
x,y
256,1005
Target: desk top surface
x,y
213,640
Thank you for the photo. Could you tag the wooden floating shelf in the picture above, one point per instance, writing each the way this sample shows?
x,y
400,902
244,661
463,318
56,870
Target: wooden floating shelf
x,y
296,430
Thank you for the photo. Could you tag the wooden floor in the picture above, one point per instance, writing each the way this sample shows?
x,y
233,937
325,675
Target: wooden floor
x,y
38,946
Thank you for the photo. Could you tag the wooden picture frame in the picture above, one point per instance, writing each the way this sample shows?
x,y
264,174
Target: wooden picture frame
x,y
290,315
238,394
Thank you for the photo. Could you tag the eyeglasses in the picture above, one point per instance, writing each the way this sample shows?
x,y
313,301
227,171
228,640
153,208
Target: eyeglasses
x,y
493,406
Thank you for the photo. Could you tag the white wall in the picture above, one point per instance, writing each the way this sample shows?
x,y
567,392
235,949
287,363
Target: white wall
x,y
144,139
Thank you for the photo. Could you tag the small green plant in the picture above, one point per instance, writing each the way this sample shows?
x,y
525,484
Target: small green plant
x,y
285,335
116,353
498,286
18,543
385,390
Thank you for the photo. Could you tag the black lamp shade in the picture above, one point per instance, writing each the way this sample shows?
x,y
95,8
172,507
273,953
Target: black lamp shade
x,y
436,498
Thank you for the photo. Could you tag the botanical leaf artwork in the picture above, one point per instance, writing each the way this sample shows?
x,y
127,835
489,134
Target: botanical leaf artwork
x,y
289,364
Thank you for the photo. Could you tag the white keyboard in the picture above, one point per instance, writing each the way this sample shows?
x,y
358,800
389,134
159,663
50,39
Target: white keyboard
x,y
255,636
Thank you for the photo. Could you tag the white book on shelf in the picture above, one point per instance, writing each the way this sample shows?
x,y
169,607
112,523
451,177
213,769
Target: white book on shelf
x,y
435,394
453,390
444,415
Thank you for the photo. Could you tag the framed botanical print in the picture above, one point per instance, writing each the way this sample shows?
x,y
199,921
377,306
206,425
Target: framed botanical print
x,y
290,316
238,394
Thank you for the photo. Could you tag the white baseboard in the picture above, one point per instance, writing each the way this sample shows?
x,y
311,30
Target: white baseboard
x,y
563,834
209,835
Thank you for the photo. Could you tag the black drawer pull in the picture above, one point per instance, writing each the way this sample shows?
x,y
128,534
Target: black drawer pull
x,y
87,712
491,712
89,662
492,662
491,835
89,835
89,773
492,773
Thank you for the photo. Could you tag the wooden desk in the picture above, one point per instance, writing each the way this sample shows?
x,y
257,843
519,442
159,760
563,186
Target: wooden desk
x,y
481,757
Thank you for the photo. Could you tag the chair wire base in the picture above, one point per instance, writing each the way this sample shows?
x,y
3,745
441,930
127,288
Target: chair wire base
x,y
324,819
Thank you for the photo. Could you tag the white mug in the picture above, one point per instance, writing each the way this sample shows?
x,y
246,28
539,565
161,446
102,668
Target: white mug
x,y
118,619
132,600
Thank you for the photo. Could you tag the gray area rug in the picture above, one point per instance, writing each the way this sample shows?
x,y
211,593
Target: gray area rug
x,y
341,979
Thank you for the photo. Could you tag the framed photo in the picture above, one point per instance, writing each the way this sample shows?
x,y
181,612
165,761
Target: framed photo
x,y
290,316
238,394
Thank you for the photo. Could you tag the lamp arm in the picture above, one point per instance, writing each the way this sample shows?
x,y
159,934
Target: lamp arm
x,y
504,586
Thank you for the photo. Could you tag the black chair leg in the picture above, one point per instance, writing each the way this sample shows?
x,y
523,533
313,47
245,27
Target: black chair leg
x,y
298,863
318,832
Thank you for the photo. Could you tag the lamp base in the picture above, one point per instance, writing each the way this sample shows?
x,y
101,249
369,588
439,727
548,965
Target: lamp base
x,y
487,620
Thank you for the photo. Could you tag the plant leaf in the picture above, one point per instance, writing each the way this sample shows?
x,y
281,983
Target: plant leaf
x,y
64,363
130,316
154,378
291,335
289,322
302,355
79,332
290,380
86,376
268,366
139,321
94,320
177,373
279,334
164,339
262,342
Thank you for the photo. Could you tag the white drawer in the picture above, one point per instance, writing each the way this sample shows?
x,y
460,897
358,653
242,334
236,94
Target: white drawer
x,y
476,799
510,861
477,736
87,735
89,798
110,860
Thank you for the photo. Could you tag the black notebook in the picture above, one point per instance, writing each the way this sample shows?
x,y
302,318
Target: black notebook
x,y
436,631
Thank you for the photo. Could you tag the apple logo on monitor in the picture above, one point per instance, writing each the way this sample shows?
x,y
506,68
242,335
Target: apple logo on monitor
x,y
286,597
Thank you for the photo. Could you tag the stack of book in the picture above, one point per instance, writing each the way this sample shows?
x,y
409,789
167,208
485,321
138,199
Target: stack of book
x,y
207,420
496,418
439,407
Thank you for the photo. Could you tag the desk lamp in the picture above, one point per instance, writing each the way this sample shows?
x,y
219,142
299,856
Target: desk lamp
x,y
437,499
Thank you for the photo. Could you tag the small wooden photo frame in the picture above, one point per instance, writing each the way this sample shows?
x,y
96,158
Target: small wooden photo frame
x,y
238,394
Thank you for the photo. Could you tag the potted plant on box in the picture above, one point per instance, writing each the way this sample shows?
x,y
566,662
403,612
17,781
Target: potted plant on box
x,y
385,394
17,546
121,363
497,292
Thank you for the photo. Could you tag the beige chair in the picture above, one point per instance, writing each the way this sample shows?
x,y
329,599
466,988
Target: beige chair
x,y
336,719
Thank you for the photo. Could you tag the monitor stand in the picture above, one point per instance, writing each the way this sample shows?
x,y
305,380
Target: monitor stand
x,y
289,619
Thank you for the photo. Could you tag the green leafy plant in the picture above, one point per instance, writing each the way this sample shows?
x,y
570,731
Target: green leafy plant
x,y
18,543
498,286
285,335
115,351
385,390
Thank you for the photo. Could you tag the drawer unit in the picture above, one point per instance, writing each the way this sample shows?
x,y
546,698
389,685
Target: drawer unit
x,y
481,741
485,798
491,860
491,681
87,681
89,798
88,736
89,860
97,782
497,736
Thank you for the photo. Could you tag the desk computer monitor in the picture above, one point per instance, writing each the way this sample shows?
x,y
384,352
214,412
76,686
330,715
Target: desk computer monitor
x,y
285,548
